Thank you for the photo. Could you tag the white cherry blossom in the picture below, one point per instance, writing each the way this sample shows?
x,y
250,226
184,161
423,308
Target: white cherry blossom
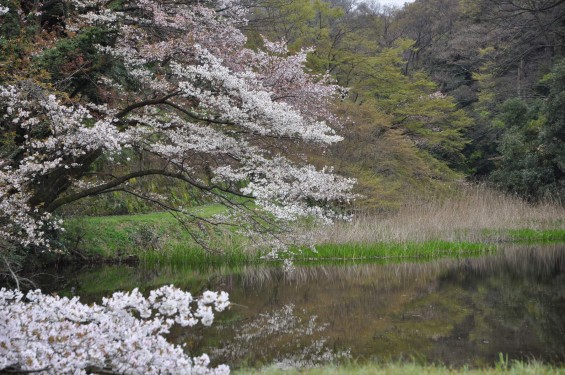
x,y
56,335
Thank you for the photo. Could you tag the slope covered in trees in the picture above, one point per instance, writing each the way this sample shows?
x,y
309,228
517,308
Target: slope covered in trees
x,y
437,74
402,135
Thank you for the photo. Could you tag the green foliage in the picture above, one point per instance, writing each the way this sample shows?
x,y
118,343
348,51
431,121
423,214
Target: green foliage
x,y
532,148
552,135
301,23
387,165
401,135
74,62
122,203
416,106
19,39
9,23
483,52
427,250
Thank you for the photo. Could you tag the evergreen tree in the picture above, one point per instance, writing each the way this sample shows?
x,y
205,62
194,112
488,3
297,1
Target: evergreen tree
x,y
532,149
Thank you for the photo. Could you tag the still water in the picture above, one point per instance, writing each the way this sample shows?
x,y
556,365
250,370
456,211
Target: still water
x,y
452,311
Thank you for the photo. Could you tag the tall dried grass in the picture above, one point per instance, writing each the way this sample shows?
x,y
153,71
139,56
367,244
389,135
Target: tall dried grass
x,y
502,367
474,214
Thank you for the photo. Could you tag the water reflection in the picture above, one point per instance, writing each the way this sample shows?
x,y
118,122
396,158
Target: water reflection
x,y
290,338
451,311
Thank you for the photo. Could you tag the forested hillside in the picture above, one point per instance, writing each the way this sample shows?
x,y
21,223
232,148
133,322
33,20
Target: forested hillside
x,y
433,93
438,91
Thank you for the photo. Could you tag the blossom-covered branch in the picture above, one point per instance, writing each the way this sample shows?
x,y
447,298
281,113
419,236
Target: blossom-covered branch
x,y
57,335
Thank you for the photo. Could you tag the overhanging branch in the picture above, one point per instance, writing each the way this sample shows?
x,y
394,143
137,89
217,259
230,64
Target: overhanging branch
x,y
96,190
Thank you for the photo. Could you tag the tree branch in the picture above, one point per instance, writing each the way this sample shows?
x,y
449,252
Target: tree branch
x,y
19,371
195,116
96,190
144,103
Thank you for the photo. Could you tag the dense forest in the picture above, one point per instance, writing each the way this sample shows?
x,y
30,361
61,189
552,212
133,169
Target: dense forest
x,y
439,90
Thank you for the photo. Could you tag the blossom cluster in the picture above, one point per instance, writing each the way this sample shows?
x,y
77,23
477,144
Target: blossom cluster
x,y
65,138
57,335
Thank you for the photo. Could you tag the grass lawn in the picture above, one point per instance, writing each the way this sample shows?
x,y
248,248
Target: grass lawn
x,y
155,237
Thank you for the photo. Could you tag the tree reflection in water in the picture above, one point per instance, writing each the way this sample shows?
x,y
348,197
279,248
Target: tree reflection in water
x,y
454,311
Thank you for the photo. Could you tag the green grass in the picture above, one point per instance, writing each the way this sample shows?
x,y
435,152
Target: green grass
x,y
156,238
532,235
514,368
427,249
181,254
523,235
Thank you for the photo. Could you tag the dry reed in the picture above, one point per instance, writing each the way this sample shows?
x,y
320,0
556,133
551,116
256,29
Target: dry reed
x,y
473,215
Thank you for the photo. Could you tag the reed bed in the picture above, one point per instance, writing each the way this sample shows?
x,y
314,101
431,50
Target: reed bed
x,y
477,214
513,368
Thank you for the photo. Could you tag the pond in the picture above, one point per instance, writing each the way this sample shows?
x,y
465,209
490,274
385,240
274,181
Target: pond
x,y
452,311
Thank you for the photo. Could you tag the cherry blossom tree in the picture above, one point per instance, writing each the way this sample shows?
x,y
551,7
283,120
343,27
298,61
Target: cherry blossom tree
x,y
173,82
124,335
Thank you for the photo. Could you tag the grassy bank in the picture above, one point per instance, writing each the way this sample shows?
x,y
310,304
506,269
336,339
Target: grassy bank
x,y
153,238
473,223
427,249
515,368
